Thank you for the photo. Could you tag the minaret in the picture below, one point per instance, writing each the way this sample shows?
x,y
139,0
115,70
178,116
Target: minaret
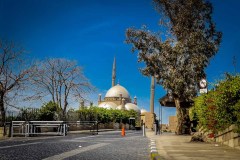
x,y
99,98
114,72
123,104
135,100
152,95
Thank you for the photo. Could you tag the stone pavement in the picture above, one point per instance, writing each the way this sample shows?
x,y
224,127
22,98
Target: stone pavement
x,y
173,147
105,146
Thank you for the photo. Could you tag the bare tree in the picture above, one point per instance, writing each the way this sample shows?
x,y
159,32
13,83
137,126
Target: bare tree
x,y
13,74
63,80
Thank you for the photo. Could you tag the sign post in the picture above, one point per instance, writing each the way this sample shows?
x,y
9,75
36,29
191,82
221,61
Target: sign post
x,y
203,86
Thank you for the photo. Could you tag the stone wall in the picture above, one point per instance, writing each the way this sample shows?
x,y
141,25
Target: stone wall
x,y
148,118
229,137
172,123
165,127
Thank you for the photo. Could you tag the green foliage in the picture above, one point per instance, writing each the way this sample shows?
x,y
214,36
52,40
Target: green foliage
x,y
236,115
48,111
51,111
26,114
105,115
155,156
72,115
220,107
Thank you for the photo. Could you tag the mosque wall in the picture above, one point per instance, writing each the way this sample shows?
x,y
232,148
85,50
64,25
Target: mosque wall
x,y
116,100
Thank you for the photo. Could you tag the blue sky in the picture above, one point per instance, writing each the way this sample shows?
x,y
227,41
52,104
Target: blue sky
x,y
93,32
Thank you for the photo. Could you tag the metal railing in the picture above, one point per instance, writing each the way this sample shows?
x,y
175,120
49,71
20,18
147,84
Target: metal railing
x,y
29,128
19,127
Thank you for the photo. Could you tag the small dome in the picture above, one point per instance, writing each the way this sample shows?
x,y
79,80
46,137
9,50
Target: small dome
x,y
129,106
143,111
115,91
108,105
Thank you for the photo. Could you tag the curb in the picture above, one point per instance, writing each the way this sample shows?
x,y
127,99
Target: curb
x,y
153,151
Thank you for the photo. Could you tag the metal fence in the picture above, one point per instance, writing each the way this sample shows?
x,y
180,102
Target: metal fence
x,y
31,128
36,128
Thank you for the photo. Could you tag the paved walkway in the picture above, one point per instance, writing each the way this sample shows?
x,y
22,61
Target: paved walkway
x,y
173,147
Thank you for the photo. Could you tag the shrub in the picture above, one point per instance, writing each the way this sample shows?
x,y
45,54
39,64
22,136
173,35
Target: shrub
x,y
220,107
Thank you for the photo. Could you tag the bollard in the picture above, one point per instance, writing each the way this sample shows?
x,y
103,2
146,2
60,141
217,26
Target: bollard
x,y
155,128
143,128
123,131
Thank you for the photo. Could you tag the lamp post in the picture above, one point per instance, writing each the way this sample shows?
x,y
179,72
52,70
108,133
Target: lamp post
x,y
159,121
160,118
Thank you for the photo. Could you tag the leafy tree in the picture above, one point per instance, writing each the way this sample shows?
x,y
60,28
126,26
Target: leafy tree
x,y
72,115
103,115
13,75
48,111
90,114
178,58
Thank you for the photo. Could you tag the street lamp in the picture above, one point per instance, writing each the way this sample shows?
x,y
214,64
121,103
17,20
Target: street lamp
x,y
160,118
159,130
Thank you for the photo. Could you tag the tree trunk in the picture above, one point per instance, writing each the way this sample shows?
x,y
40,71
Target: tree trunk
x,y
180,117
64,117
2,111
183,125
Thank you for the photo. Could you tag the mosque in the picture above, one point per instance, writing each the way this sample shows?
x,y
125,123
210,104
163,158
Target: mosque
x,y
117,97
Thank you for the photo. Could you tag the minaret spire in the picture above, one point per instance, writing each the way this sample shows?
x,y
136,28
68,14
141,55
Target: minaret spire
x,y
114,72
152,94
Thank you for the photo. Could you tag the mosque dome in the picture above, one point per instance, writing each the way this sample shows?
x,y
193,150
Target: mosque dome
x,y
143,111
133,106
108,105
115,91
129,106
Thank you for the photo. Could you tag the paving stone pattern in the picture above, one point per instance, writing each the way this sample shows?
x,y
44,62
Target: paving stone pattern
x,y
104,146
173,147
